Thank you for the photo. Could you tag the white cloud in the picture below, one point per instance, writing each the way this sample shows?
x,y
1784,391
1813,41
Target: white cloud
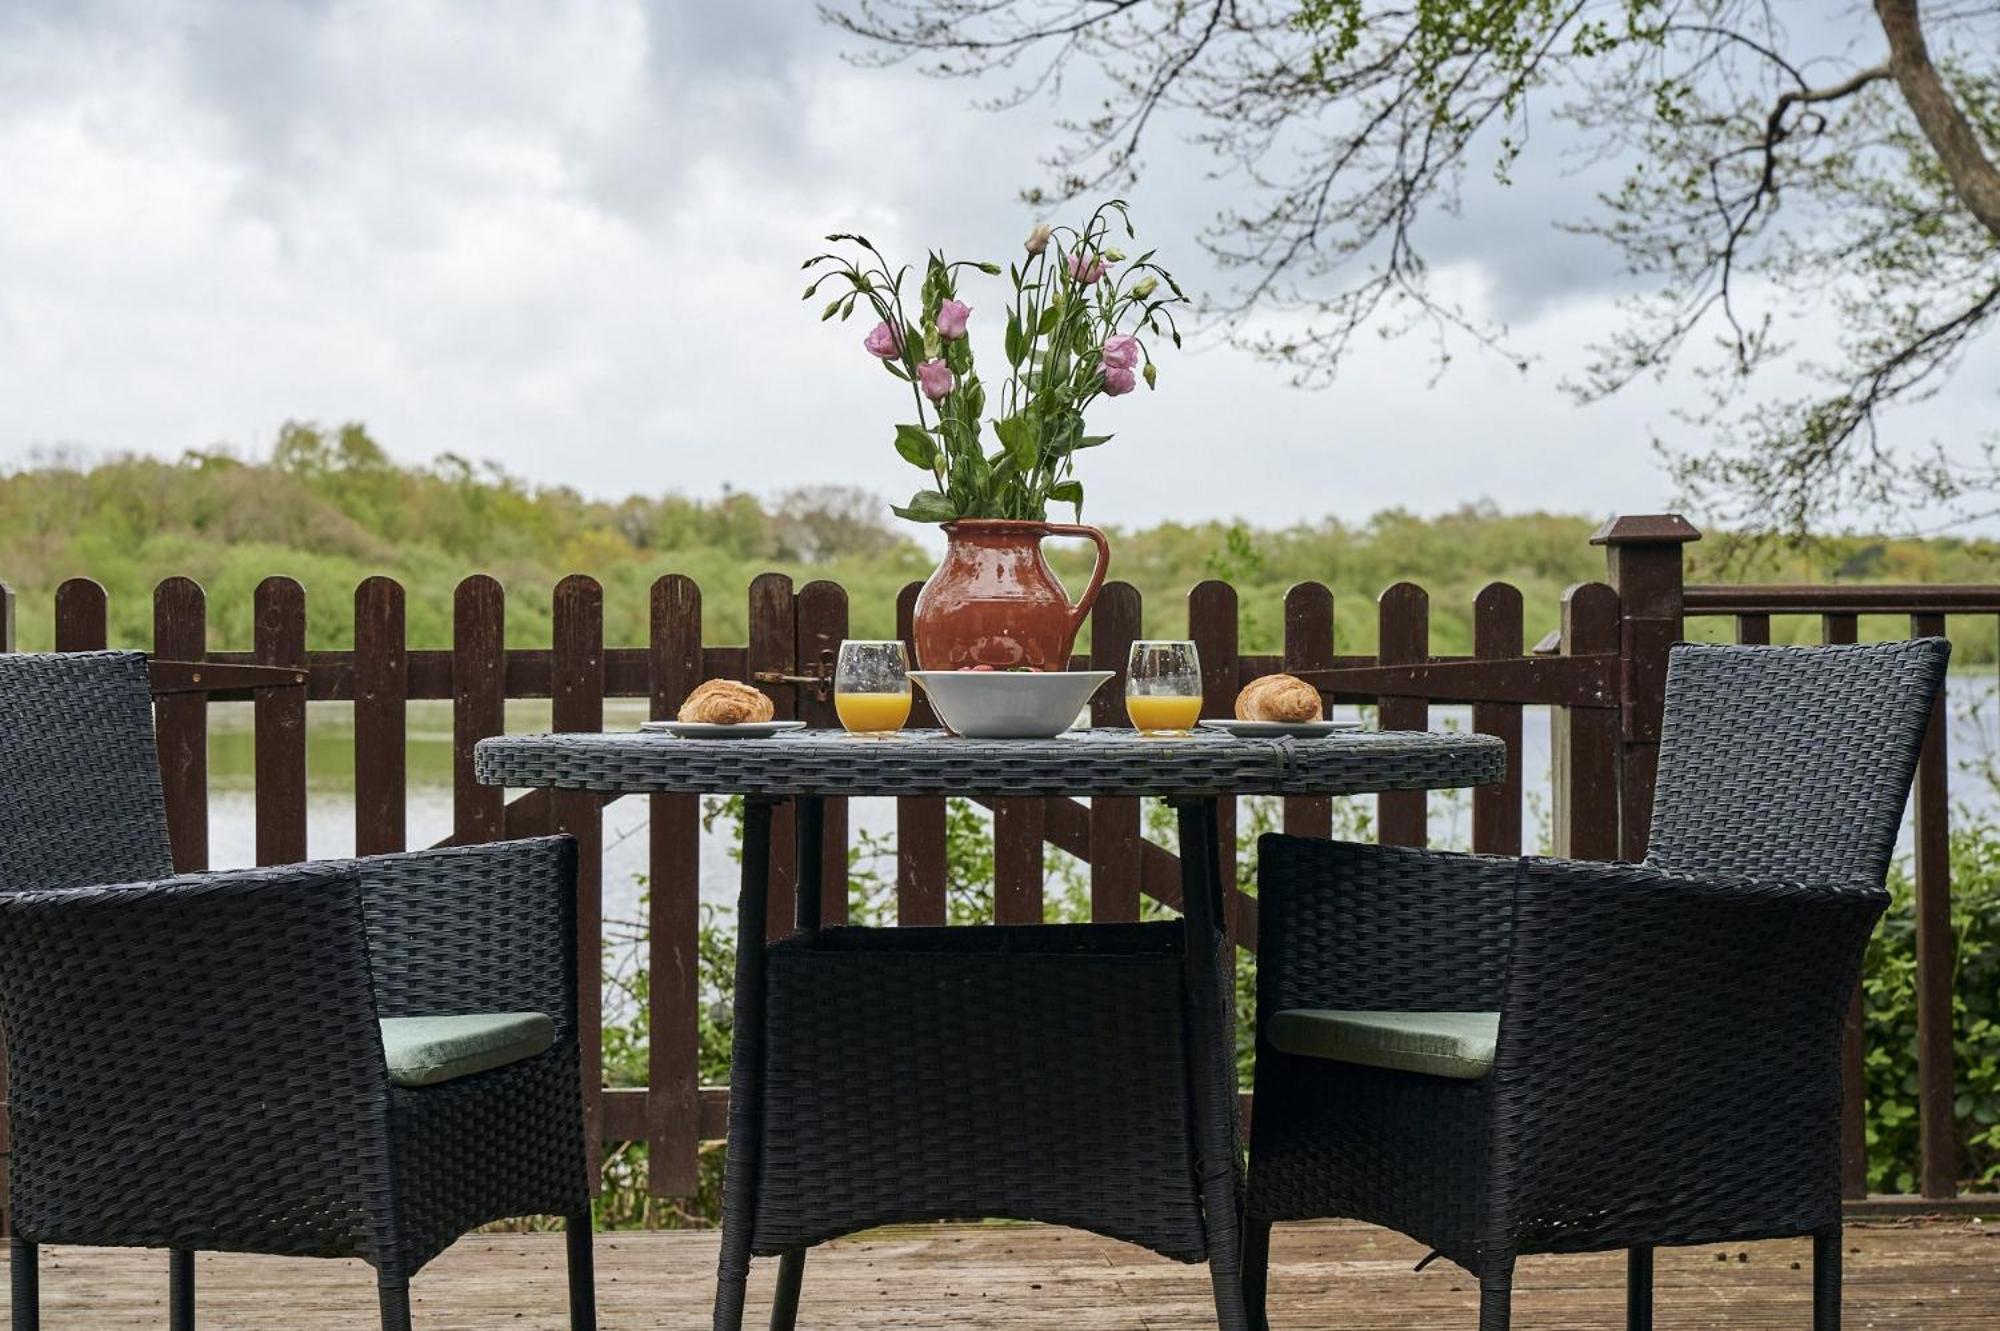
x,y
567,238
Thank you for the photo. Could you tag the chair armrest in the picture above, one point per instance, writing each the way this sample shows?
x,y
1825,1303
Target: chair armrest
x,y
486,928
195,1062
1346,925
1670,1050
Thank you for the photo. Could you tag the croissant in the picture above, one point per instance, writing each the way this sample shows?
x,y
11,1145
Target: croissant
x,y
1278,698
725,702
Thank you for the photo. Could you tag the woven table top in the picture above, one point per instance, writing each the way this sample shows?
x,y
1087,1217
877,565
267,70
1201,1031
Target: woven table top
x,y
930,762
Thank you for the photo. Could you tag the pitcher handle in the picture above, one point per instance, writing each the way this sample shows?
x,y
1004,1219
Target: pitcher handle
x,y
1081,610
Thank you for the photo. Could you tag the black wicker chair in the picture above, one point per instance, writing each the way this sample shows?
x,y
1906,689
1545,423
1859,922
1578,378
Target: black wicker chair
x,y
198,1062
1502,1056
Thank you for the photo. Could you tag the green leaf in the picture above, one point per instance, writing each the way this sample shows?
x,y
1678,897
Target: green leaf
x,y
1068,492
1050,318
927,506
1093,440
1017,437
916,446
1015,343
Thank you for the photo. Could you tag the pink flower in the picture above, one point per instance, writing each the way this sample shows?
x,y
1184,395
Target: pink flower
x,y
1119,380
935,377
951,317
884,340
1121,351
1086,268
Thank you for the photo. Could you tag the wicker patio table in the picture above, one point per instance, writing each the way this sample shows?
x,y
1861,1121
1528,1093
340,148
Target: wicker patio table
x,y
1077,1074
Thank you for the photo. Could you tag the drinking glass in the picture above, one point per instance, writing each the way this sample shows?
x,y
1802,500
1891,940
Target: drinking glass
x,y
1163,687
871,687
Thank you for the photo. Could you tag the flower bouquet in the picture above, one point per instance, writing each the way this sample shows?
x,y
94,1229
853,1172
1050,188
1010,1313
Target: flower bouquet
x,y
1073,334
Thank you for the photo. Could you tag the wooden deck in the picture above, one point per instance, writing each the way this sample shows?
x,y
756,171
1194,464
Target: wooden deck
x,y
1332,1277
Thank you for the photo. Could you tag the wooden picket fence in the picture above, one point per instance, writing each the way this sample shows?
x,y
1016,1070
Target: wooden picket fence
x,y
1600,676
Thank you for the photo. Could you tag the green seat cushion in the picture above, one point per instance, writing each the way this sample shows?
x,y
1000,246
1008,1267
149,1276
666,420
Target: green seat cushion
x,y
1441,1044
424,1051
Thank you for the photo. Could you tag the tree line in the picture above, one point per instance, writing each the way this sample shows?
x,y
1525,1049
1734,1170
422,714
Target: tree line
x,y
329,506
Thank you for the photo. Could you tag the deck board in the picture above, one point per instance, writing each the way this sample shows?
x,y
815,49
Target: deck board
x,y
1940,1276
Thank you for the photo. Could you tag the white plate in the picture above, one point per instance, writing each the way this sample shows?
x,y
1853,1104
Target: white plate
x,y
1269,729
709,730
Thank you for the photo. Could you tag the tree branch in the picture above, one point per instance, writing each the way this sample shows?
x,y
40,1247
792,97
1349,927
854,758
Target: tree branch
x,y
1972,173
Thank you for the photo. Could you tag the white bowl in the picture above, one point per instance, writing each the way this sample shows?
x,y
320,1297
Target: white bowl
x,y
1009,704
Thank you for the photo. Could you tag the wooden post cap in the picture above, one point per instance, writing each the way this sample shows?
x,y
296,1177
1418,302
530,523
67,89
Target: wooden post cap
x,y
1646,529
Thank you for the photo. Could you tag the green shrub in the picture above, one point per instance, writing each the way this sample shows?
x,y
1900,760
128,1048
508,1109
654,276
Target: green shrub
x,y
1889,985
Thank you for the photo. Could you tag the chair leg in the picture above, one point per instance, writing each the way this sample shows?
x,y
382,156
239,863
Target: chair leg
x,y
1496,1300
1826,1281
1226,1280
1639,1289
732,1280
180,1289
26,1282
395,1296
1256,1271
582,1273
785,1298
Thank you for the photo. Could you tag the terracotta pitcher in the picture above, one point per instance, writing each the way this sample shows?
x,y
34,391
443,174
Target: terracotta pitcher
x,y
994,600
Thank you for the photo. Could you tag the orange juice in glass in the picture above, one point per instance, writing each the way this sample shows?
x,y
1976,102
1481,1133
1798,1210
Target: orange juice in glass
x,y
1163,687
871,687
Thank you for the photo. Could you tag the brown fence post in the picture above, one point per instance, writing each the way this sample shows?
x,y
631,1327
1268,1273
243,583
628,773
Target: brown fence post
x,y
180,722
920,820
1937,1092
1308,646
279,636
576,687
1583,741
381,719
1643,555
1116,838
673,1058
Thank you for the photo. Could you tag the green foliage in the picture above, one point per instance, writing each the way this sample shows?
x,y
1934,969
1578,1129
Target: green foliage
x,y
1513,37
1889,986
330,509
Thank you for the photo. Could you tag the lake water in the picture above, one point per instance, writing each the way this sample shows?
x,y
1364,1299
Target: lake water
x,y
330,785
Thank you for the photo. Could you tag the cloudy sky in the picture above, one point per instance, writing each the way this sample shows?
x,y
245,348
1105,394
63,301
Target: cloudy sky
x,y
565,236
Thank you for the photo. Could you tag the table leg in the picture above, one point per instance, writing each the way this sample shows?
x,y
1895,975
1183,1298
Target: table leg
x,y
1211,1030
746,1063
809,824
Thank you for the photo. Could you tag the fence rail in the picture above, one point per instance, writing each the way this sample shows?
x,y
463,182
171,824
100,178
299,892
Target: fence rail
x,y
1601,678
